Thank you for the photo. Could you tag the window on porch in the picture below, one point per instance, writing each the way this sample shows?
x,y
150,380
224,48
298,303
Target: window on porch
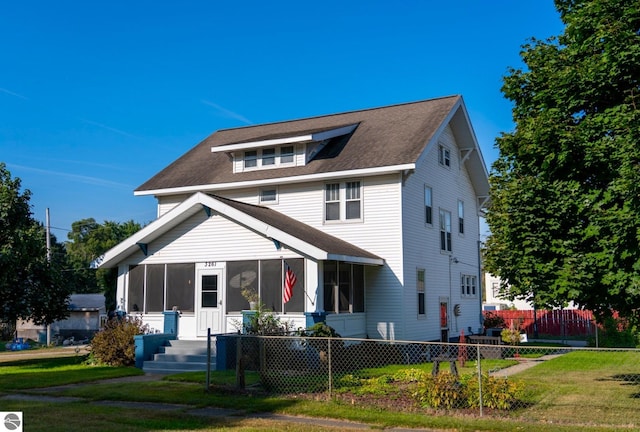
x,y
343,287
265,278
154,288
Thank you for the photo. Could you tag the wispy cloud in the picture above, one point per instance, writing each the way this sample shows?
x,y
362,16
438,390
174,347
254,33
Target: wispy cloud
x,y
227,113
9,92
109,128
73,177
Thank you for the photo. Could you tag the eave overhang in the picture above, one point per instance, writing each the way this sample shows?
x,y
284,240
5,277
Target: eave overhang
x,y
232,210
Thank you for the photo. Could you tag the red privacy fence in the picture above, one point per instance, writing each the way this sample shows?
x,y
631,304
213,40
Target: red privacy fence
x,y
562,322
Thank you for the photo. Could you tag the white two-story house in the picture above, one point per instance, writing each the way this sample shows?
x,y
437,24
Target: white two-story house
x,y
375,212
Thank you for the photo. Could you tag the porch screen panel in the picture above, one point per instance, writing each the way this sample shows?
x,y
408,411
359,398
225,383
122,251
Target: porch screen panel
x,y
135,289
330,276
296,304
181,286
270,281
344,287
242,276
154,298
358,288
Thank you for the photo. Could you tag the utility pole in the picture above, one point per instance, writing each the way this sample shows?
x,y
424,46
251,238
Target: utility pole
x,y
48,231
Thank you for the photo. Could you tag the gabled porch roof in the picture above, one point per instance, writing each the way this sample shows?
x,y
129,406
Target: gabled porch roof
x,y
283,230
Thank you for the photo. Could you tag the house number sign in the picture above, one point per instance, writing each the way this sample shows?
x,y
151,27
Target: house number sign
x,y
210,263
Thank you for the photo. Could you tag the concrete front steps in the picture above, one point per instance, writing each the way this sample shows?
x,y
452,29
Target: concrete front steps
x,y
181,356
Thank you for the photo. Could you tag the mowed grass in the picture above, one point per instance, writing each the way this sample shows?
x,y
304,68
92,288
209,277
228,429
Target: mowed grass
x,y
586,387
589,391
49,372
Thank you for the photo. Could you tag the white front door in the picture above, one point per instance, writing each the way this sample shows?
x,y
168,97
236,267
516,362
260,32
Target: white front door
x,y
209,301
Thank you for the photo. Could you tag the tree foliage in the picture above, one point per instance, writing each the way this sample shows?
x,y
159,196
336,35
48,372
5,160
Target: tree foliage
x,y
88,241
565,212
32,285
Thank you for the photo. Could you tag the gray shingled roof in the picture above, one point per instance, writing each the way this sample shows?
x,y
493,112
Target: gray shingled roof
x,y
387,136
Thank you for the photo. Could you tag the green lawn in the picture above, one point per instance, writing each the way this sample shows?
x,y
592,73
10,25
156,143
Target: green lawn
x,y
49,372
581,390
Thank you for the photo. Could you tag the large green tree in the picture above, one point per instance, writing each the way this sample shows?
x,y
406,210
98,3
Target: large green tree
x,y
565,211
31,278
88,240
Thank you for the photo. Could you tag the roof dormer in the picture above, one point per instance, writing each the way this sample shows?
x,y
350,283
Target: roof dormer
x,y
282,151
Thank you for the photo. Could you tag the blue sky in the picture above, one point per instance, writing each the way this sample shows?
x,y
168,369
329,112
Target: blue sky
x,y
97,97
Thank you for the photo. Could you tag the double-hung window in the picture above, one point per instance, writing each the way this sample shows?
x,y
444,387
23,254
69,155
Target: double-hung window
x,y
343,201
332,201
420,291
352,191
428,205
461,217
445,230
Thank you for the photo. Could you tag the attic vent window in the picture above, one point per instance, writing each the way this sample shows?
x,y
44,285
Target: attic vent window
x,y
444,156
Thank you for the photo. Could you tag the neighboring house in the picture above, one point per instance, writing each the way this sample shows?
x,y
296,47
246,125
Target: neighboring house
x,y
87,313
375,212
495,301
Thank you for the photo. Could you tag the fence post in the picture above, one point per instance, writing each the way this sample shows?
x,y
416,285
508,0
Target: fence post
x,y
208,380
479,378
329,360
239,364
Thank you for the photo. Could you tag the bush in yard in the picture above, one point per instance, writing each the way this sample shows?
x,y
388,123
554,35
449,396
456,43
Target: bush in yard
x,y
497,393
441,391
448,391
114,345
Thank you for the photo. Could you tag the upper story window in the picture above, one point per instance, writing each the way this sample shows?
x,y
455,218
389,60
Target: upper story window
x,y
420,291
467,285
268,156
342,201
352,199
461,217
445,230
250,159
444,156
428,205
286,154
269,195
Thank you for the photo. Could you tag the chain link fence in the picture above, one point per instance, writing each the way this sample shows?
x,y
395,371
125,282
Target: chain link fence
x,y
482,377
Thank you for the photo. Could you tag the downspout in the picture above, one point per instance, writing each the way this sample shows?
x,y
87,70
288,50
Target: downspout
x,y
481,286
